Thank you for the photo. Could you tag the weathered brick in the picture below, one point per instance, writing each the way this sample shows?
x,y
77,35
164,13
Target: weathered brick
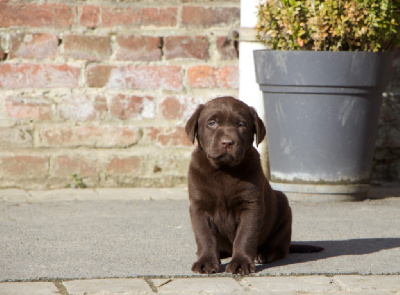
x,y
24,166
36,46
82,165
124,165
141,48
132,107
228,77
38,76
197,16
87,47
205,76
90,16
28,108
167,136
83,108
16,138
116,16
141,77
171,108
202,77
227,48
178,107
186,47
88,136
36,15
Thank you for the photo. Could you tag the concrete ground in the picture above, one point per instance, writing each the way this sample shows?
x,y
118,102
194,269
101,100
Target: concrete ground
x,y
129,241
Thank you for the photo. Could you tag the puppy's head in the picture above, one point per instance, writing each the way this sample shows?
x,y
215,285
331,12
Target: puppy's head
x,y
225,129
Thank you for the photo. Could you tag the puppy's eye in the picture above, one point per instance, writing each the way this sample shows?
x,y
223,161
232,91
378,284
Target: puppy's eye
x,y
241,125
211,123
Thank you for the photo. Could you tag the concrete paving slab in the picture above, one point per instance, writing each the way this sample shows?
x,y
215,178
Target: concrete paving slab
x,y
287,284
208,285
291,285
98,194
107,286
148,194
14,195
387,283
78,238
28,288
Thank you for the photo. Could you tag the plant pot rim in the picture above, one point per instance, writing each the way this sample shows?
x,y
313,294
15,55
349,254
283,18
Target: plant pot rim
x,y
323,68
326,52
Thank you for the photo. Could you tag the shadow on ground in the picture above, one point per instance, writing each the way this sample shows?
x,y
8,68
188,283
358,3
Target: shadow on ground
x,y
332,249
335,249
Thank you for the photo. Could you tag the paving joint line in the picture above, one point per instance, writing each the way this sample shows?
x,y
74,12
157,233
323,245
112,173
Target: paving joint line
x,y
61,288
245,284
151,284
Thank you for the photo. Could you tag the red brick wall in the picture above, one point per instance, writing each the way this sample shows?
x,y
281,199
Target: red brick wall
x,y
102,90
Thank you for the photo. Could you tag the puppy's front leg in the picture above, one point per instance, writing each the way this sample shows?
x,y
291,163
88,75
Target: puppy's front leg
x,y
207,255
245,244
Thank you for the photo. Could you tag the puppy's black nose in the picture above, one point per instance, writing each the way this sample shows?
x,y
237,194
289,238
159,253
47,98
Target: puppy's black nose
x,y
226,142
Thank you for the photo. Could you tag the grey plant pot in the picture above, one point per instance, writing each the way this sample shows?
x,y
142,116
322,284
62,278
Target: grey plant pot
x,y
321,114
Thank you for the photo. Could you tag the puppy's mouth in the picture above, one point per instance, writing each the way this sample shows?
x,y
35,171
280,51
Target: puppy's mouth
x,y
225,159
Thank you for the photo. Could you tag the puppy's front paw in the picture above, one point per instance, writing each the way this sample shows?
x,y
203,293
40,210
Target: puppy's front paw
x,y
241,266
208,266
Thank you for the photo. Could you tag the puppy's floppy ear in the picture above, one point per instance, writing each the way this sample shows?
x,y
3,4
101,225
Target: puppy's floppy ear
x,y
192,124
259,126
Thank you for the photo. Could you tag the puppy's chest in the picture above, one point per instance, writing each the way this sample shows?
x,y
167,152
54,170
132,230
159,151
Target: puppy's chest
x,y
224,212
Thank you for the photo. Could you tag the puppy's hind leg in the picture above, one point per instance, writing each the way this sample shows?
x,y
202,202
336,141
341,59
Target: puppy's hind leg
x,y
274,248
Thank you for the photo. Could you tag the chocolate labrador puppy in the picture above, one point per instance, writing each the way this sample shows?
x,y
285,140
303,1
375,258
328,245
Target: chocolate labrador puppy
x,y
233,209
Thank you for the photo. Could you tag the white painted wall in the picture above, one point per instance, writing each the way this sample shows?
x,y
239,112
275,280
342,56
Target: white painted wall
x,y
249,91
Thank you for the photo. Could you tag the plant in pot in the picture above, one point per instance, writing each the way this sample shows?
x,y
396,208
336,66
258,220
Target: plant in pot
x,y
322,81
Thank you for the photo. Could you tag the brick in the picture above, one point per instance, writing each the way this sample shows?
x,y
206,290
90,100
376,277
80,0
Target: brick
x,y
169,136
23,166
90,16
202,77
119,165
186,47
132,107
137,17
140,77
178,107
88,136
36,15
227,48
28,108
87,47
38,76
228,77
209,77
66,165
37,46
197,16
83,108
141,48
16,138
171,108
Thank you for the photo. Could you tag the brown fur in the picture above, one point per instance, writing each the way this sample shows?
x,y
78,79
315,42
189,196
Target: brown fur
x,y
233,209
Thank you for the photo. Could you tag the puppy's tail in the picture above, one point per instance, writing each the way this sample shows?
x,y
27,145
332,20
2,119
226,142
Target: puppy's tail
x,y
298,248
